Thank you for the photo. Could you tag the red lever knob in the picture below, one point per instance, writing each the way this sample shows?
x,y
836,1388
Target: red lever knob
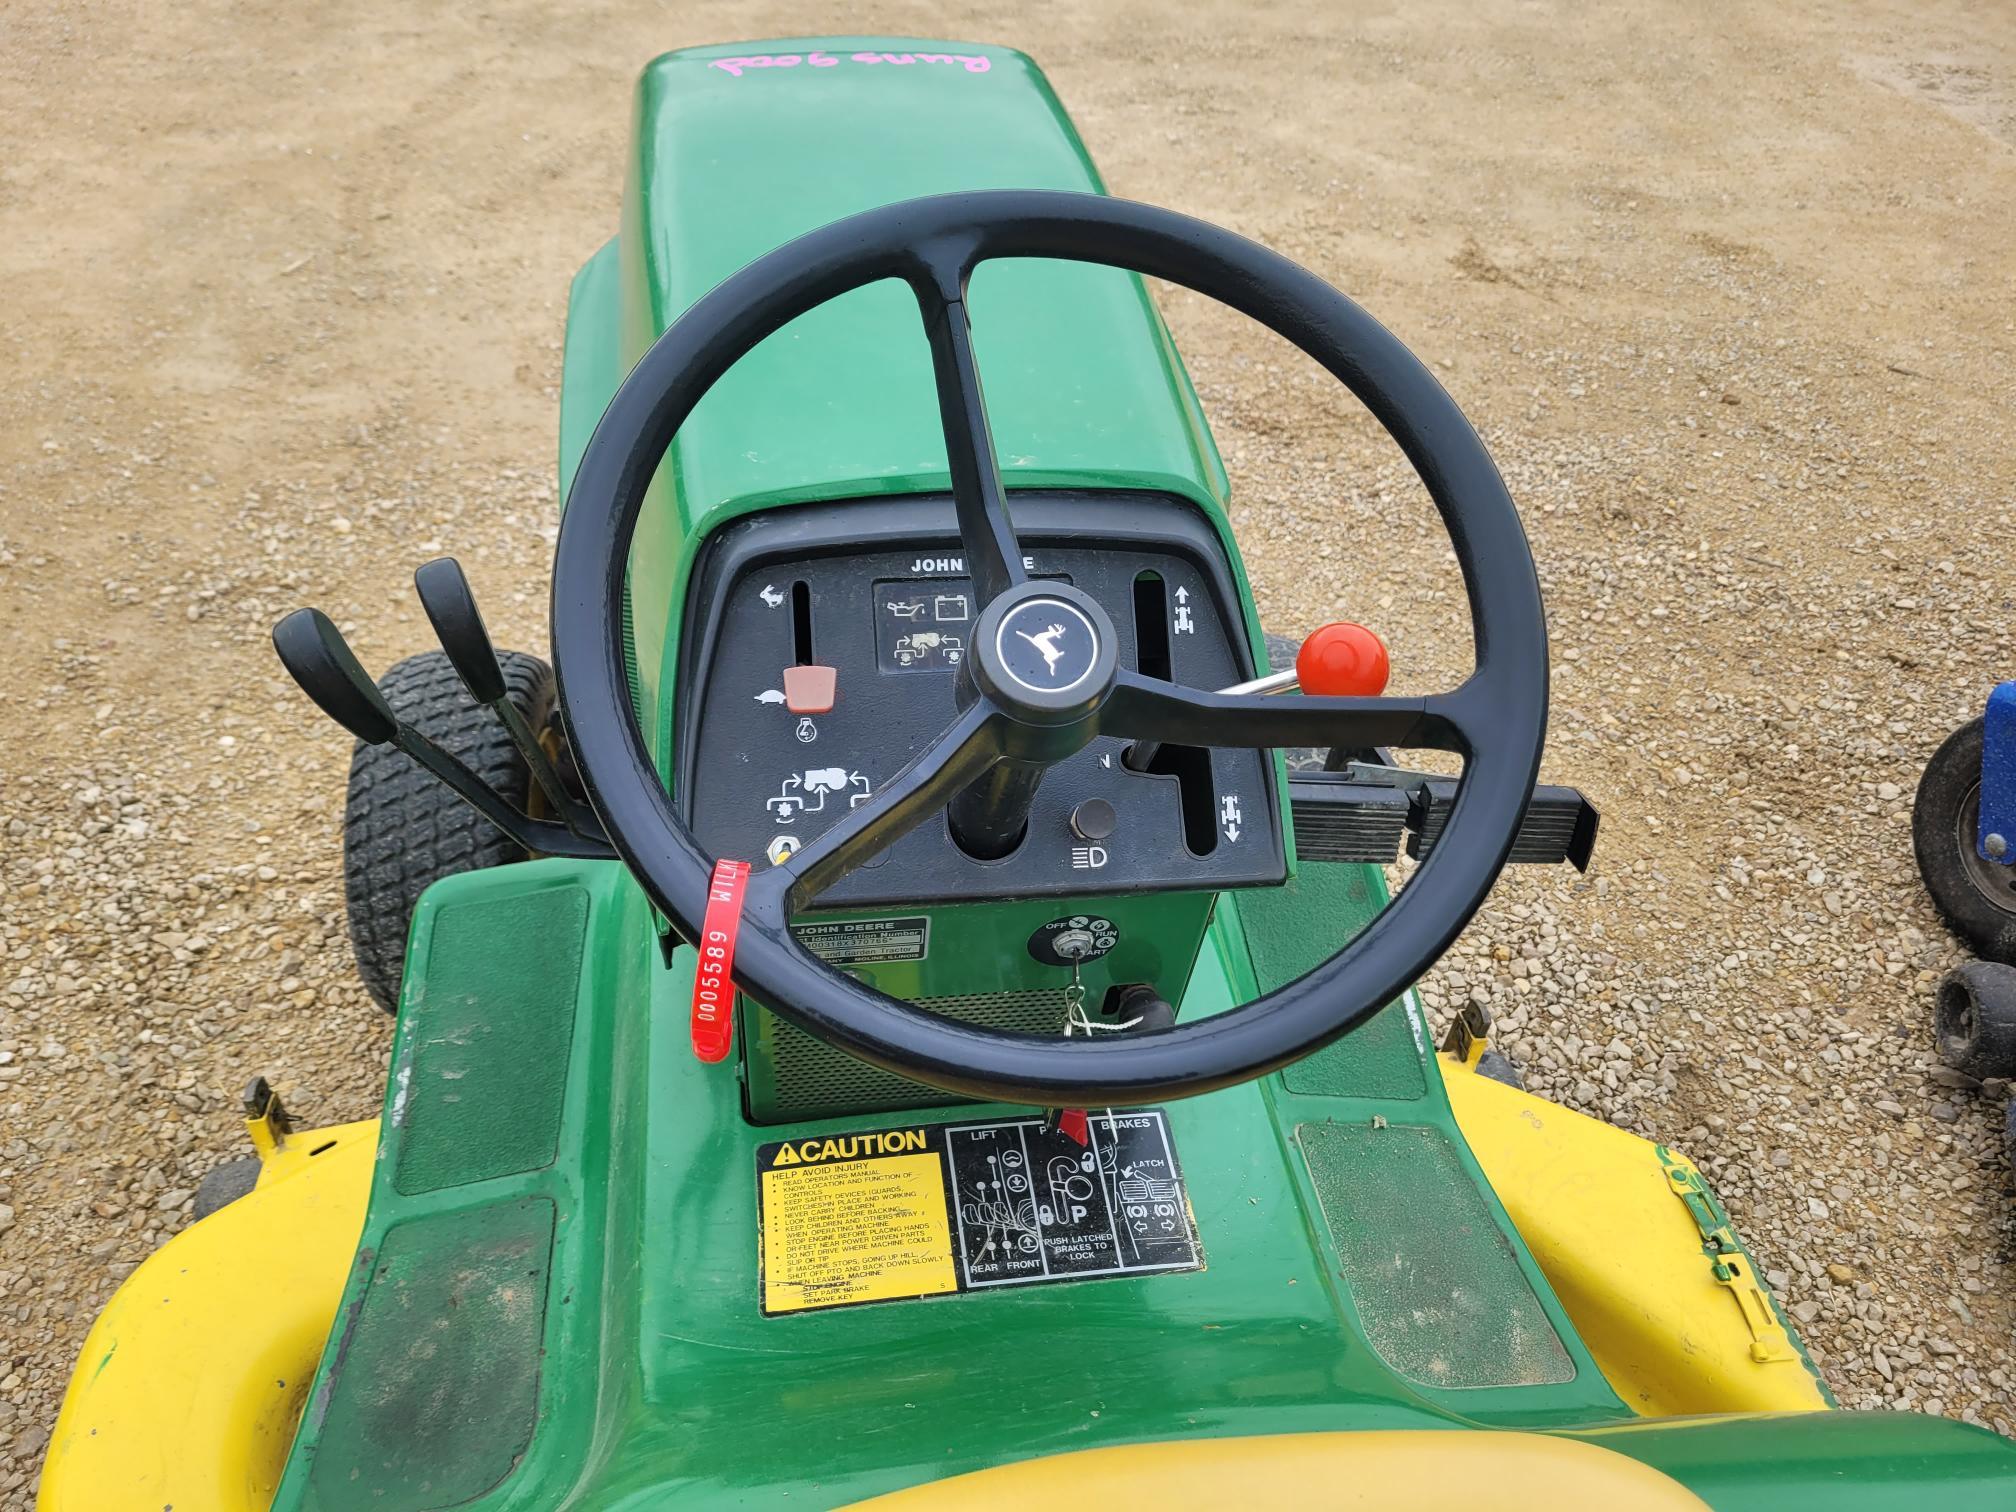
x,y
1343,661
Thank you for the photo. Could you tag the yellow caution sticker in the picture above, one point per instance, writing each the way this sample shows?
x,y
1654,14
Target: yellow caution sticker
x,y
843,1221
879,1215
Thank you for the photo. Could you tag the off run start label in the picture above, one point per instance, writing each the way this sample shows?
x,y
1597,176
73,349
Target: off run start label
x,y
924,1209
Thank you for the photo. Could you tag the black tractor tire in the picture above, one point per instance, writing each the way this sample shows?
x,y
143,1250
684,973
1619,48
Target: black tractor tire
x,y
1976,898
1975,1019
225,1184
403,831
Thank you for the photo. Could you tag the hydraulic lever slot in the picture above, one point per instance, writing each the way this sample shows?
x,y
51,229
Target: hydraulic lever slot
x,y
1190,765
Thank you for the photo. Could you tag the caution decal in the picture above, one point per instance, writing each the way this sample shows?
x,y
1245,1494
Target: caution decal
x,y
844,1147
927,1209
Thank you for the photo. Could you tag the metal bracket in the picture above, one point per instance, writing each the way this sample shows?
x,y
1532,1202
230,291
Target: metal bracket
x,y
1995,835
1769,1342
266,1118
1362,812
1385,774
1469,1034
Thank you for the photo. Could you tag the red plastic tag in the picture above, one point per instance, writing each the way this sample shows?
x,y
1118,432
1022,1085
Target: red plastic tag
x,y
713,989
1074,1125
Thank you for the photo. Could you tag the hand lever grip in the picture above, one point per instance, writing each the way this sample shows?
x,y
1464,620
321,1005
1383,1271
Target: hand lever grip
x,y
451,608
458,623
317,657
1343,660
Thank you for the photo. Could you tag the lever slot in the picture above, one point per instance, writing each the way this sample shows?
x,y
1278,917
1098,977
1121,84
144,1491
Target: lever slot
x,y
1189,765
1151,626
801,623
1197,795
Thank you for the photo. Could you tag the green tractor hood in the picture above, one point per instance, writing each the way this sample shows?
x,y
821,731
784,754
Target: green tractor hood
x,y
732,158
737,151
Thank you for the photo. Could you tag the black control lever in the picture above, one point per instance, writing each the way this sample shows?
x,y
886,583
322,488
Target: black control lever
x,y
1140,756
451,608
317,657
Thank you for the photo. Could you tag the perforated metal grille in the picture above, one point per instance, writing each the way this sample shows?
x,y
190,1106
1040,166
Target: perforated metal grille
x,y
807,1078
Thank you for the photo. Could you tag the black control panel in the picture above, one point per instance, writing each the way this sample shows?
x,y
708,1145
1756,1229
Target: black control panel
x,y
877,591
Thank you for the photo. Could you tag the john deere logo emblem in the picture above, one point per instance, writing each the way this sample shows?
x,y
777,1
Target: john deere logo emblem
x,y
1046,642
1047,645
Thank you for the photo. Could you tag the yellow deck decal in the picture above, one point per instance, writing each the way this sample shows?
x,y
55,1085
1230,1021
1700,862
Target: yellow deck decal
x,y
859,1230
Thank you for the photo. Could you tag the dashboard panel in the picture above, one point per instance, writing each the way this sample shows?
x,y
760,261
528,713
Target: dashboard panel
x,y
877,591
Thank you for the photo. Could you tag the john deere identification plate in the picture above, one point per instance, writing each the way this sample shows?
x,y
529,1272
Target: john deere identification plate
x,y
925,1209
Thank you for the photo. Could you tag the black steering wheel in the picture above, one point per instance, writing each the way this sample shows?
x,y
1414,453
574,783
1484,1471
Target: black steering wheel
x,y
1023,711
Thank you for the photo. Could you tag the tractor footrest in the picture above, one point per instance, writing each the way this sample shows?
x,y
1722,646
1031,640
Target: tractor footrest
x,y
1560,824
1340,819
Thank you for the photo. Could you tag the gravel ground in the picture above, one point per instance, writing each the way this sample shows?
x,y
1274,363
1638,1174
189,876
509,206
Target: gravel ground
x,y
1727,293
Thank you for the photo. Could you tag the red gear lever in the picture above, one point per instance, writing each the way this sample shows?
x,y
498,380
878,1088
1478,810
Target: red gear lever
x,y
1343,661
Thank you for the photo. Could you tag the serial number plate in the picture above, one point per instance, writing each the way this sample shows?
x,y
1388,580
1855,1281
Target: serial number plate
x,y
862,942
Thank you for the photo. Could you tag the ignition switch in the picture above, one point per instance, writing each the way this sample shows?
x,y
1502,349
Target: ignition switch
x,y
1073,940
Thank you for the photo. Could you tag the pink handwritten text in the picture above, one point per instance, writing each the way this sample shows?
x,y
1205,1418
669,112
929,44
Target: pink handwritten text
x,y
736,67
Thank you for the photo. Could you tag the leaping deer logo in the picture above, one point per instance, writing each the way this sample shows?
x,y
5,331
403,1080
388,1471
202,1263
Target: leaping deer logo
x,y
1045,640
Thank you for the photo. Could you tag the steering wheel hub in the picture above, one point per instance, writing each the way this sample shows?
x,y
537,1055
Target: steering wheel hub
x,y
1045,653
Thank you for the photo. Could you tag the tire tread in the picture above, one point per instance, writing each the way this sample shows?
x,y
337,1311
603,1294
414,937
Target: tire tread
x,y
403,830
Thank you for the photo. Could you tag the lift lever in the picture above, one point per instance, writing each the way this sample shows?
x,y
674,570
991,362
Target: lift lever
x,y
317,657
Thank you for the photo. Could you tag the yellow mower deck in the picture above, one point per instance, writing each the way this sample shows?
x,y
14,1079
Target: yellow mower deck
x,y
195,1375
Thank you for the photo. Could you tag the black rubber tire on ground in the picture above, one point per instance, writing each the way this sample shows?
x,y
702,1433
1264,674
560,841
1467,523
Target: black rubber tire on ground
x,y
1975,1019
402,830
225,1184
1976,898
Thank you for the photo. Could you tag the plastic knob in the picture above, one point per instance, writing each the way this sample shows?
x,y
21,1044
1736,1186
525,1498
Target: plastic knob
x,y
1343,661
1094,819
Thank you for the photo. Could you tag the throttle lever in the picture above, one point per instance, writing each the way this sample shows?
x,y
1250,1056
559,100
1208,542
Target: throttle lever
x,y
1338,660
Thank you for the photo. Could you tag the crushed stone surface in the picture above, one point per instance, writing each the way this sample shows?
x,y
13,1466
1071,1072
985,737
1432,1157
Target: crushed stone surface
x,y
1726,293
